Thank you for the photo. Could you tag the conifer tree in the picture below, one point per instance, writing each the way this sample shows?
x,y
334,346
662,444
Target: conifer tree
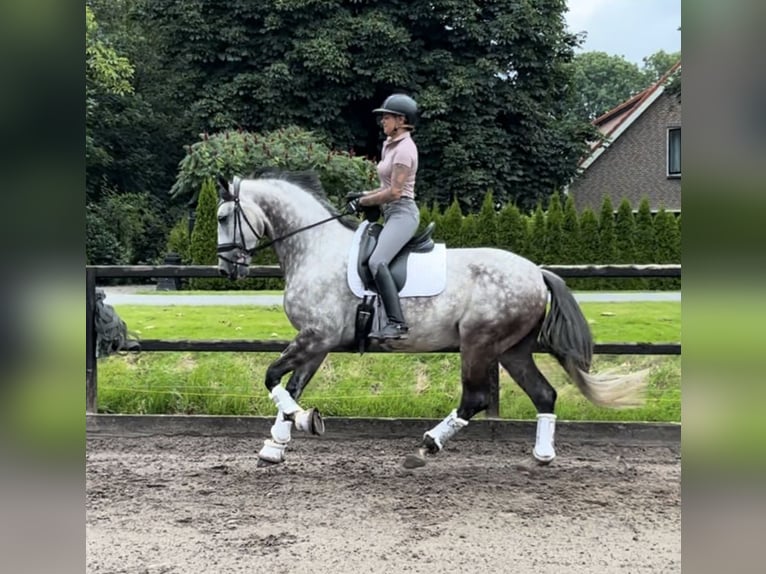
x,y
536,244
590,245
571,229
625,231
425,217
668,246
436,215
451,224
469,231
486,223
204,237
554,232
607,241
511,229
645,240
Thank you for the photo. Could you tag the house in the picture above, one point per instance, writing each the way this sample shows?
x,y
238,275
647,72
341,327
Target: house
x,y
639,154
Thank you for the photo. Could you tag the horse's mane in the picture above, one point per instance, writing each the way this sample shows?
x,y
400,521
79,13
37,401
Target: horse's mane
x,y
308,180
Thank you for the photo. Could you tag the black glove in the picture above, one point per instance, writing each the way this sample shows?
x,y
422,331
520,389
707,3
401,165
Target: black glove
x,y
353,207
354,195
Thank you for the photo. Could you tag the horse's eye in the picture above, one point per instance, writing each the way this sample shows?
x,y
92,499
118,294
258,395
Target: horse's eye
x,y
222,218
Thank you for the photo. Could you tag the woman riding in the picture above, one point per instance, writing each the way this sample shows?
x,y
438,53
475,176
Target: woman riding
x,y
396,197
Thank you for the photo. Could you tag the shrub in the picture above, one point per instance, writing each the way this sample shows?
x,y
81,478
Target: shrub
x,y
242,153
178,241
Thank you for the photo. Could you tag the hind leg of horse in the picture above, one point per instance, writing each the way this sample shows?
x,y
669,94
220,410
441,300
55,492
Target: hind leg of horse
x,y
475,398
520,364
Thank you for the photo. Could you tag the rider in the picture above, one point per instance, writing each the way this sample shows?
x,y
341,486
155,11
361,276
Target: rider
x,y
396,196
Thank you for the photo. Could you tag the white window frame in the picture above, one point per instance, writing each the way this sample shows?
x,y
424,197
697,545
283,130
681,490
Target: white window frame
x,y
673,174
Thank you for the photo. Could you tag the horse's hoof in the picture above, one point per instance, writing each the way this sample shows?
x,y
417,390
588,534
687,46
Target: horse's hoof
x,y
543,460
263,463
316,422
414,461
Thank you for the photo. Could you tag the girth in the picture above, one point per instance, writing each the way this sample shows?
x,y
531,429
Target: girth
x,y
420,243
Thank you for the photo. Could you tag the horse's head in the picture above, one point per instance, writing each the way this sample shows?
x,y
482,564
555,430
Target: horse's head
x,y
241,226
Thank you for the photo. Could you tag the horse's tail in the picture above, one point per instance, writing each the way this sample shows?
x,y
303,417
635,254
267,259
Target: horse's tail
x,y
565,333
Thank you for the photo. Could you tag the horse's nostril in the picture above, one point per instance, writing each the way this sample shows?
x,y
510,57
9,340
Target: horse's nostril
x,y
222,273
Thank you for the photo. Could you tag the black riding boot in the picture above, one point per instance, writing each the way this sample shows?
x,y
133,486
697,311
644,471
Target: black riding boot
x,y
396,328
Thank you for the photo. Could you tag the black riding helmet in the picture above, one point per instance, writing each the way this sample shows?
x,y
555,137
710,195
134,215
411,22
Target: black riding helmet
x,y
401,105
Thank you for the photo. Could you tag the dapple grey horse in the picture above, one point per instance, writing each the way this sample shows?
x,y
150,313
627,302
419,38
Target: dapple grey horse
x,y
493,309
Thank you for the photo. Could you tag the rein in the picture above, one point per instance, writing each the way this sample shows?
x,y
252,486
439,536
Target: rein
x,y
240,216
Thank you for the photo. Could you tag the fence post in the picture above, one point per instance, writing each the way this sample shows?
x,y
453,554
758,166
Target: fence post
x,y
91,373
493,410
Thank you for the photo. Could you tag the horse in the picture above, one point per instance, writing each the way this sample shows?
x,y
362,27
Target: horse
x,y
494,308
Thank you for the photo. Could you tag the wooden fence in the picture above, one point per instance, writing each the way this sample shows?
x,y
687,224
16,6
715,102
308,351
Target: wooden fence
x,y
94,272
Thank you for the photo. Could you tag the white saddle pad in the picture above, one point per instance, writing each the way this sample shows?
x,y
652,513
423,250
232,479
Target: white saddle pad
x,y
426,272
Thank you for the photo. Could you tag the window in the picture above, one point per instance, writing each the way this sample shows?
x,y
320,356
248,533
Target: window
x,y
674,152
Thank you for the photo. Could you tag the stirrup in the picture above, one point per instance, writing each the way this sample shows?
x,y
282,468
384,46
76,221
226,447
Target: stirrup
x,y
391,331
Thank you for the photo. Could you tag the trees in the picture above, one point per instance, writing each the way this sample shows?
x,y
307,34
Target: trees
x,y
571,230
511,229
603,81
492,82
555,243
657,64
106,73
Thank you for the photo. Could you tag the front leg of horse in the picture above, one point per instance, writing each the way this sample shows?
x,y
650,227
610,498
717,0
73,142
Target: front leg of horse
x,y
289,412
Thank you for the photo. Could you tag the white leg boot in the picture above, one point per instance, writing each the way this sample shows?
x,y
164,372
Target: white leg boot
x,y
446,429
274,448
546,428
309,421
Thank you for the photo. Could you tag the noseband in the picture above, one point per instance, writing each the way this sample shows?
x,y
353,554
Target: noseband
x,y
240,217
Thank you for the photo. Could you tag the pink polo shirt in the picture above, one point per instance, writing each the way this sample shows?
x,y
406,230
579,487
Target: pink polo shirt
x,y
401,150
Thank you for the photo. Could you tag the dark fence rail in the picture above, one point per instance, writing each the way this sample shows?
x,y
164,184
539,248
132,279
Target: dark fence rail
x,y
94,272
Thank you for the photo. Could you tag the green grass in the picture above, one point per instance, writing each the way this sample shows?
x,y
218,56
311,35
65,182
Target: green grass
x,y
396,385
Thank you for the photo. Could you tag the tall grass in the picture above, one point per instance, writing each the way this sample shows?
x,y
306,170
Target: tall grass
x,y
379,385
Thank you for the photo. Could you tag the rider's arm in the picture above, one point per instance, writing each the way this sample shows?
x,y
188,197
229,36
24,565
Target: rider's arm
x,y
382,195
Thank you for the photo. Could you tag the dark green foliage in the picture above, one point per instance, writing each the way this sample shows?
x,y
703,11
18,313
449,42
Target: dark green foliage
x,y
425,217
204,237
645,243
554,232
571,230
625,231
590,245
179,241
470,234
451,223
492,82
486,223
668,246
607,242
101,244
240,153
511,230
535,250
133,220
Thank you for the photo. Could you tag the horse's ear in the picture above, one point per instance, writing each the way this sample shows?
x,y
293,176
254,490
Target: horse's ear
x,y
223,189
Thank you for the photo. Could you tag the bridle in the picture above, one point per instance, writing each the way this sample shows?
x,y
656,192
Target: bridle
x,y
240,217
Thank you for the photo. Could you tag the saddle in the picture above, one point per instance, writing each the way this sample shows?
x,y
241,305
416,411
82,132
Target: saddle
x,y
421,243
365,312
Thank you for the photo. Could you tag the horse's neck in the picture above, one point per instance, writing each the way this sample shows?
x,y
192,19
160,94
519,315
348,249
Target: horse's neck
x,y
319,248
